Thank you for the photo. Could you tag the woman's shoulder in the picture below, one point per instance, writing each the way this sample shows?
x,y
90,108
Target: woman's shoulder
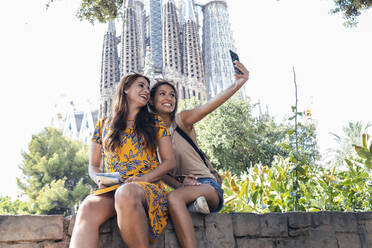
x,y
101,122
159,121
179,120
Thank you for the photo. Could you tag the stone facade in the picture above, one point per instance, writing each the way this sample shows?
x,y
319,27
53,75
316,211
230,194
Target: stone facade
x,y
238,230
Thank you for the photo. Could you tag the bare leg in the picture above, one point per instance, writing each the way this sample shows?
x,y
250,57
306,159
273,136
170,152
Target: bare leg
x,y
94,211
132,219
181,218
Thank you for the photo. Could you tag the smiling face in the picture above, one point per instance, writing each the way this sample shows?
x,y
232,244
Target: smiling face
x,y
164,100
138,93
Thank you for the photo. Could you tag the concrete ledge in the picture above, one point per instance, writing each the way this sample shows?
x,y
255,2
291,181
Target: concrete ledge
x,y
237,230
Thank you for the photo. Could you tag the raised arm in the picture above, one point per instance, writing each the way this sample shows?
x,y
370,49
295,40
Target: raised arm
x,y
95,161
190,117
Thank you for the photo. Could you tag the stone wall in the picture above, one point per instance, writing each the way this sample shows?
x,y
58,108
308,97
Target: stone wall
x,y
274,230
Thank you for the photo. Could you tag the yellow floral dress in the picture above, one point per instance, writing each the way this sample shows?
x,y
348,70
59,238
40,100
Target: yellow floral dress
x,y
134,159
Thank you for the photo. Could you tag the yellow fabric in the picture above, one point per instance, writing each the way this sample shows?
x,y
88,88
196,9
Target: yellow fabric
x,y
134,159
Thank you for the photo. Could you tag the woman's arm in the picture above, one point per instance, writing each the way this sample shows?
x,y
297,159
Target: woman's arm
x,y
171,182
190,117
190,180
95,161
168,162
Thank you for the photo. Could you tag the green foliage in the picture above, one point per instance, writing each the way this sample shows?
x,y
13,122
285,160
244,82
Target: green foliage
x,y
270,189
235,140
54,173
97,10
9,207
344,150
351,10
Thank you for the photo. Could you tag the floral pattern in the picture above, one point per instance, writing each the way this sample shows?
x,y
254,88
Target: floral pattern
x,y
134,159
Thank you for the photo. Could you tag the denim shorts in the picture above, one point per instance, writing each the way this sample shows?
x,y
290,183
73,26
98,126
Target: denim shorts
x,y
217,187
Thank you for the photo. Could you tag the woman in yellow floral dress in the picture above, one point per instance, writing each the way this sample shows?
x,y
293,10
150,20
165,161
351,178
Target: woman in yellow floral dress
x,y
130,141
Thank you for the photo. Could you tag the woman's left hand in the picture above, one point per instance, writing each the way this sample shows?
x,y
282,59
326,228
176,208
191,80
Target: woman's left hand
x,y
135,179
241,78
190,180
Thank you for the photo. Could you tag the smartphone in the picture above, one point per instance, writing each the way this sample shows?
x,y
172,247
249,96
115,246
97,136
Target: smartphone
x,y
234,57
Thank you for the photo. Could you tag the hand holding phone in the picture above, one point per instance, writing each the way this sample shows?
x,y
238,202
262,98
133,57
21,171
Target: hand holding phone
x,y
234,57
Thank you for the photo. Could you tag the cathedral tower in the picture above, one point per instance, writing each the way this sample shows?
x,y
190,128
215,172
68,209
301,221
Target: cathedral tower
x,y
155,34
171,38
217,41
110,74
130,40
191,51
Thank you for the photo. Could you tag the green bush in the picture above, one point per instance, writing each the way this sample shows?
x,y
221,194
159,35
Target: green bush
x,y
271,189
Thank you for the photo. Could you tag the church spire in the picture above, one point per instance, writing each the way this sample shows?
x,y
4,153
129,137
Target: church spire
x,y
188,11
111,27
110,73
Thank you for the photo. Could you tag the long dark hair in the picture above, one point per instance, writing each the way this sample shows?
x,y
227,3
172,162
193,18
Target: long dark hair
x,y
152,96
144,122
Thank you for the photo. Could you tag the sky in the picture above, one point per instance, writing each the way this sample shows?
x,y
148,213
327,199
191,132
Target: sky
x,y
48,53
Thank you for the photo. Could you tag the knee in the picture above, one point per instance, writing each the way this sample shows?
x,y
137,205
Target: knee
x,y
87,210
174,198
128,196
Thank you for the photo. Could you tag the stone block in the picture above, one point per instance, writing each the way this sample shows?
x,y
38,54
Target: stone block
x,y
56,245
322,243
274,225
344,222
246,224
159,243
365,231
299,220
117,241
348,240
170,239
71,225
219,231
105,240
31,228
363,216
255,243
321,232
320,218
107,227
291,243
197,221
21,245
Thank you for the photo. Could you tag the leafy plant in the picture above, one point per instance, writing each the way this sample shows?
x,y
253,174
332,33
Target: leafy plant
x,y
270,189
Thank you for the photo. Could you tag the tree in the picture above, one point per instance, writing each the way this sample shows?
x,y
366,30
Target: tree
x,y
344,150
54,173
97,10
235,140
351,10
105,10
15,207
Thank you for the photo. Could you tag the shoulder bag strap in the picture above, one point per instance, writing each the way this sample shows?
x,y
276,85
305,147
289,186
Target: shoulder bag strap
x,y
188,139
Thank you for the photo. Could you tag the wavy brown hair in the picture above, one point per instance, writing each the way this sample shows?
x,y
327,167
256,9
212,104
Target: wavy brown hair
x,y
144,122
152,96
